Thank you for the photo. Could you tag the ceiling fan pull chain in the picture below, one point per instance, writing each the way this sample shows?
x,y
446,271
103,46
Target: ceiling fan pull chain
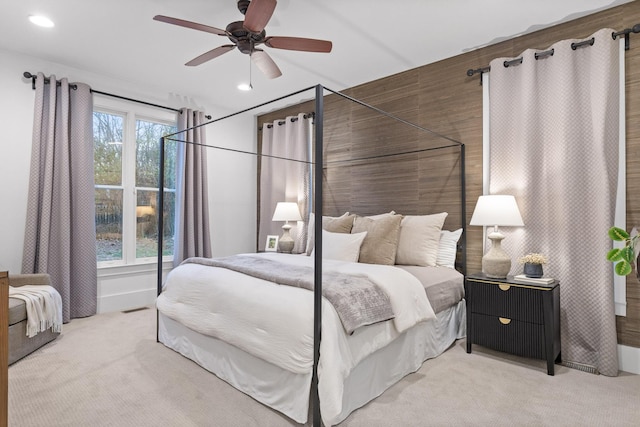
x,y
250,79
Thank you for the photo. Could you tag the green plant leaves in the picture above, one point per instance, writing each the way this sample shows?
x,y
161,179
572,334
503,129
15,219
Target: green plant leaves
x,y
624,259
618,234
625,256
623,268
614,255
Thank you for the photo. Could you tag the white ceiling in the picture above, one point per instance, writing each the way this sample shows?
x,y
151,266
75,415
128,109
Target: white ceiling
x,y
371,39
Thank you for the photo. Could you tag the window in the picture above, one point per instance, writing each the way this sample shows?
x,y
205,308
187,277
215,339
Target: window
x,y
127,147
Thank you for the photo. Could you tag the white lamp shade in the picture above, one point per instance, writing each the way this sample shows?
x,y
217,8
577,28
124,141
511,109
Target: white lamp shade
x,y
287,211
501,210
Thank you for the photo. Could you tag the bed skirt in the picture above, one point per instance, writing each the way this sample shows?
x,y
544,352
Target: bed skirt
x,y
288,392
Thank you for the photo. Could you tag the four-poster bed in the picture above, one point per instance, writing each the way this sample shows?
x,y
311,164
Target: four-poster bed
x,y
265,339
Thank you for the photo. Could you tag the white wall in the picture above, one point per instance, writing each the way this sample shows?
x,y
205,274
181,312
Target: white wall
x,y
16,110
232,180
232,176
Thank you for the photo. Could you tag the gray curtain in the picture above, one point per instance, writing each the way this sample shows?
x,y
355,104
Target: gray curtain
x,y
554,128
192,233
285,180
60,236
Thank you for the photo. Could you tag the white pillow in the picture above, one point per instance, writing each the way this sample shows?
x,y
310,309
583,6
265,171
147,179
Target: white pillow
x,y
341,246
448,248
419,239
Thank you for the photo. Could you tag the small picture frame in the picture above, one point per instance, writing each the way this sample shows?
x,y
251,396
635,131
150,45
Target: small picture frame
x,y
272,244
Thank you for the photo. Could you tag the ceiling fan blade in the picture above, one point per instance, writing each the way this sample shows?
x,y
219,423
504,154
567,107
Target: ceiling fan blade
x,y
298,43
258,14
207,56
189,24
265,64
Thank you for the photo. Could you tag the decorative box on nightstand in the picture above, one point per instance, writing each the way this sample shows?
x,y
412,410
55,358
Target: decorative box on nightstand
x,y
517,318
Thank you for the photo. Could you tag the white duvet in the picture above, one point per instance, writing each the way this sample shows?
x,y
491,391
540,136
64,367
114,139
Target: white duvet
x,y
275,322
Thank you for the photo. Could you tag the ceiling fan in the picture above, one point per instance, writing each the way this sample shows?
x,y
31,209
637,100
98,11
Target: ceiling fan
x,y
247,34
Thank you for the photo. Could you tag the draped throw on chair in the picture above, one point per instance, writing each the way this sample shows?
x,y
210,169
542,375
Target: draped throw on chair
x,y
192,233
60,235
285,180
554,129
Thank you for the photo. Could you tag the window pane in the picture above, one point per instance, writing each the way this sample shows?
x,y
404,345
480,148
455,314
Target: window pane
x,y
109,224
147,225
148,136
107,140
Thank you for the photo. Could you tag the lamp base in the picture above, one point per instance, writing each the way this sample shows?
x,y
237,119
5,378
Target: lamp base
x,y
286,243
496,263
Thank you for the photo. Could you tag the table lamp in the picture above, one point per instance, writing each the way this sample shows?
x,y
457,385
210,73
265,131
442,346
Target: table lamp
x,y
286,211
496,210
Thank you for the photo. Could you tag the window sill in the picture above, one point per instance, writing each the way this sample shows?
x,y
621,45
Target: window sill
x,y
129,269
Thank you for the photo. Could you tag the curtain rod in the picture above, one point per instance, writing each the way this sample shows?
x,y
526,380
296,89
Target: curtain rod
x,y
33,77
574,46
293,119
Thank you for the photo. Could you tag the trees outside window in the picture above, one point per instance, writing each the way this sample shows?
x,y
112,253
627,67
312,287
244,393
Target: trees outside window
x,y
127,147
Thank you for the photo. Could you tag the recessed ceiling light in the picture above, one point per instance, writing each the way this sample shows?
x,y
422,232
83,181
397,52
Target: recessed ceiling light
x,y
245,86
41,21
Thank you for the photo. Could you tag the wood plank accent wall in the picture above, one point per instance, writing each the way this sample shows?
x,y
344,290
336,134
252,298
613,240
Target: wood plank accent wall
x,y
441,97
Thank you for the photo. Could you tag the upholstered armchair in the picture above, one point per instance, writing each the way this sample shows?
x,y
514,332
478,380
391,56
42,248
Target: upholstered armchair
x,y
19,344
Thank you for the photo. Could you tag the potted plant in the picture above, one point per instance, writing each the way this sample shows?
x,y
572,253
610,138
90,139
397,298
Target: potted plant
x,y
533,264
625,257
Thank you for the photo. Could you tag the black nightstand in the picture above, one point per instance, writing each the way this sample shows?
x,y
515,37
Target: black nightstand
x,y
517,318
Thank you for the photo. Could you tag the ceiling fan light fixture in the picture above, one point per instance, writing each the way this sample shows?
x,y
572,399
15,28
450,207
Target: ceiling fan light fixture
x,y
41,21
248,35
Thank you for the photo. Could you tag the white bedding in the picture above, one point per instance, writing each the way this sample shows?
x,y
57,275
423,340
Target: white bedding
x,y
289,393
275,322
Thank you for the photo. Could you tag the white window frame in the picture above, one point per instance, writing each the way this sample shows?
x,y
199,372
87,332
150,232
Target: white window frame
x,y
131,112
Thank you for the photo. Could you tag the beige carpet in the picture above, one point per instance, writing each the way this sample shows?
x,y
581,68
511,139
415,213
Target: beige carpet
x,y
108,370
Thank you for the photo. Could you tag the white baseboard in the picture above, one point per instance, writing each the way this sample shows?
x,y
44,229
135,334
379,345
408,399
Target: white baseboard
x,y
128,286
629,359
126,301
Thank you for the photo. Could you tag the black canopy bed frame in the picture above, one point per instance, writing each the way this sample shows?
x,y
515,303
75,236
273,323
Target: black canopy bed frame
x,y
319,167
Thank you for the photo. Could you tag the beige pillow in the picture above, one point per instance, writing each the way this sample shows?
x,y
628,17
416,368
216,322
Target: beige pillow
x,y
419,239
334,224
341,224
381,243
380,216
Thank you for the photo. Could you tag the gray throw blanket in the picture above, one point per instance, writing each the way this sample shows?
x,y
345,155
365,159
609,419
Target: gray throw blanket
x,y
357,300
